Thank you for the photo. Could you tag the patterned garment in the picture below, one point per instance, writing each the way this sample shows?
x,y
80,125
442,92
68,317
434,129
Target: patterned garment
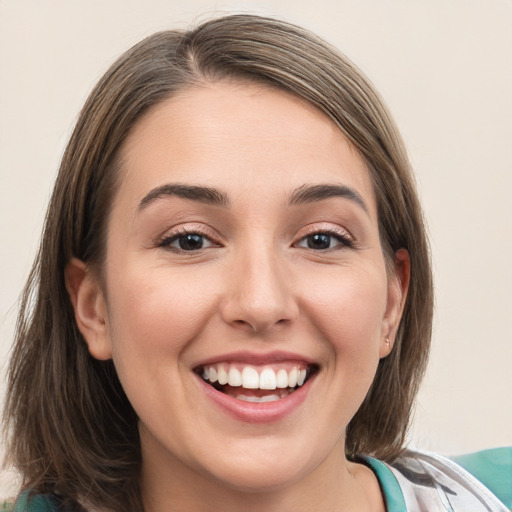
x,y
425,482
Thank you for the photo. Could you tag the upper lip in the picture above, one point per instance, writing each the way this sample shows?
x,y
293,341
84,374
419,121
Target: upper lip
x,y
256,358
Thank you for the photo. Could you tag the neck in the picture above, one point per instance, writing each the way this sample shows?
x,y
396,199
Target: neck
x,y
336,485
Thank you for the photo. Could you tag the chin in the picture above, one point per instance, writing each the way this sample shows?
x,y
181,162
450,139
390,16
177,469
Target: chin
x,y
264,469
261,478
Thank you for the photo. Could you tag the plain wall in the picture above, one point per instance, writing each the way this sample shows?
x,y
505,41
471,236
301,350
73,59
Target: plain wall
x,y
444,69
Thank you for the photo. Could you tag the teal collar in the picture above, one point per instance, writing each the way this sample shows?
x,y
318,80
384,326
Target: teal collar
x,y
388,483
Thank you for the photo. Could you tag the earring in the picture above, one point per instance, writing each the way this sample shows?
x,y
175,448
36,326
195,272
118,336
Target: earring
x,y
387,341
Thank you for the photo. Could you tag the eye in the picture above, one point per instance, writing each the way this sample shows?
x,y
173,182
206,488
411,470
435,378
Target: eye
x,y
187,242
325,240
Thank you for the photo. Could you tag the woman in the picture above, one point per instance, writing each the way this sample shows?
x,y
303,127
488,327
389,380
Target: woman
x,y
232,302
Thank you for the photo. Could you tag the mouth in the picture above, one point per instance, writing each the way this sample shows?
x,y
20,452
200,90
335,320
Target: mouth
x,y
257,384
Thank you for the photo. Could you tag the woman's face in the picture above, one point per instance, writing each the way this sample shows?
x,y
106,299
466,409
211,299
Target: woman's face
x,y
243,246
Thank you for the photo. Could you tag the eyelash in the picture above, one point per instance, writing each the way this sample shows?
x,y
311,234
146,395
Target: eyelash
x,y
345,240
167,242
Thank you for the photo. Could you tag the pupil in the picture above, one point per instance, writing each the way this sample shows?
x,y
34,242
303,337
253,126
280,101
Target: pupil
x,y
319,241
190,242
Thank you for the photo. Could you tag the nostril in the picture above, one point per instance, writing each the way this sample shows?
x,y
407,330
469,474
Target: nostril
x,y
259,321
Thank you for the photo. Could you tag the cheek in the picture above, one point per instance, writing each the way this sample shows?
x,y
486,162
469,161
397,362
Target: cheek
x,y
157,312
154,316
348,308
343,312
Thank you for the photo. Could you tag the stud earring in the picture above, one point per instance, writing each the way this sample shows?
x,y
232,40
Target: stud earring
x,y
387,342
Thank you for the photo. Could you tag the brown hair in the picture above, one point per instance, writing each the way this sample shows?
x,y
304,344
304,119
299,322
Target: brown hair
x,y
72,430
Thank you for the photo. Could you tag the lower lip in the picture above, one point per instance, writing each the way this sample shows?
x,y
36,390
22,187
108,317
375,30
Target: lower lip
x,y
251,412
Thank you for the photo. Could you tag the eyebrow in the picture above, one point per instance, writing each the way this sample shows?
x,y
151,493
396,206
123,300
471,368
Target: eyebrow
x,y
213,196
314,193
205,195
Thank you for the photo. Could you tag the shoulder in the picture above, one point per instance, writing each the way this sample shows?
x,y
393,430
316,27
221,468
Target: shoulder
x,y
41,503
481,481
35,503
6,505
493,468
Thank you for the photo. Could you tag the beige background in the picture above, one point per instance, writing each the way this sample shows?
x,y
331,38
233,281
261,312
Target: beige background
x,y
445,70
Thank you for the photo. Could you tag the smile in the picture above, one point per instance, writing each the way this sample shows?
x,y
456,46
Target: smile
x,y
257,384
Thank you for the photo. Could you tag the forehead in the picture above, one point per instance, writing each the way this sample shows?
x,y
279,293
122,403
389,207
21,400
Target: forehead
x,y
239,136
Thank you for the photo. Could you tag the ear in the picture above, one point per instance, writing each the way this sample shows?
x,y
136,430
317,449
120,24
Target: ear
x,y
90,309
398,284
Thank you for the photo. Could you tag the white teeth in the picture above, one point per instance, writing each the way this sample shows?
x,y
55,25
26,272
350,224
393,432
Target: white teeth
x,y
258,399
234,377
250,378
269,398
268,379
282,378
222,375
292,378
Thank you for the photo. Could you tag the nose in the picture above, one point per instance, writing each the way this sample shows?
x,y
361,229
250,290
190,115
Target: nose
x,y
259,295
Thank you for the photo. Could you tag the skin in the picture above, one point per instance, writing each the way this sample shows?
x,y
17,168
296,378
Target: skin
x,y
255,286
